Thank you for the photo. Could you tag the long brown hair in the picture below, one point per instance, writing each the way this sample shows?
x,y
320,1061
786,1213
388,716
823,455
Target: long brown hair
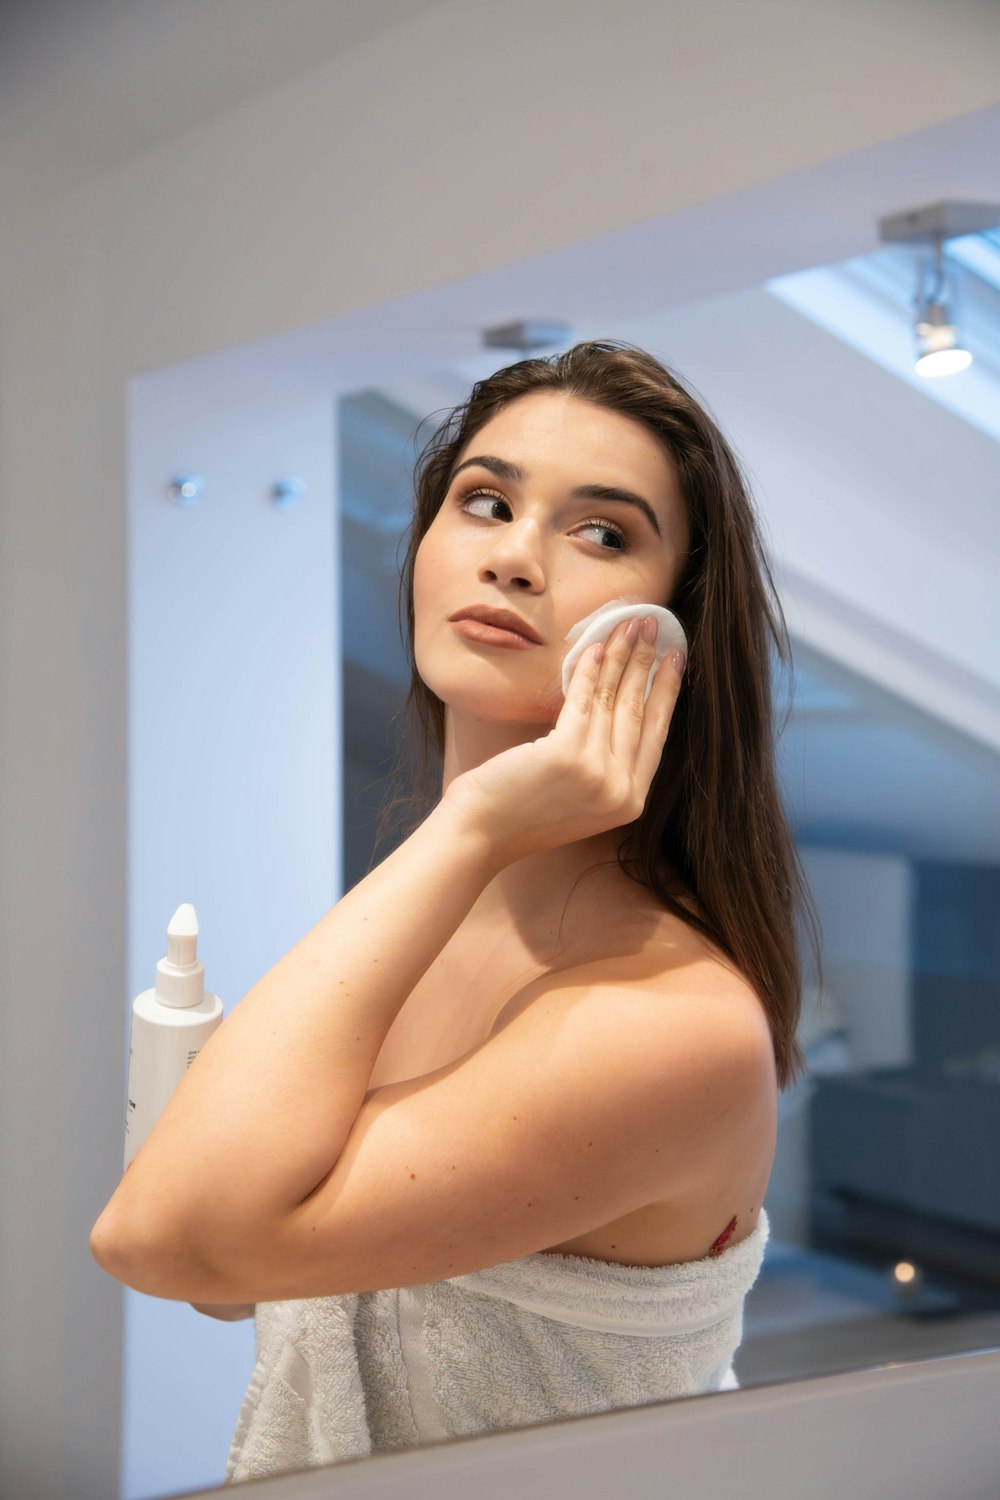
x,y
714,812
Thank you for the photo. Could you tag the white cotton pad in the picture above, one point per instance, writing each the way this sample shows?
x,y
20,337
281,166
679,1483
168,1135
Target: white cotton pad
x,y
599,625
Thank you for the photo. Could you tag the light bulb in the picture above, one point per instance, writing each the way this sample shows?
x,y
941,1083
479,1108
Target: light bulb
x,y
943,362
938,349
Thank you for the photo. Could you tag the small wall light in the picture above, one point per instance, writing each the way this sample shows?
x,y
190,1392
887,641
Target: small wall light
x,y
186,489
287,492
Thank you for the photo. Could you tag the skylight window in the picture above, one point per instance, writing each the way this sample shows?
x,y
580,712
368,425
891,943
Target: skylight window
x,y
868,303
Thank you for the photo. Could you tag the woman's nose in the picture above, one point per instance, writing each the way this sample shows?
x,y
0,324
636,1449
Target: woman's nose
x,y
514,554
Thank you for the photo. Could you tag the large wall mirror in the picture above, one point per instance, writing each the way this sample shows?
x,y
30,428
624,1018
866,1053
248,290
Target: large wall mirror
x,y
875,492
883,1200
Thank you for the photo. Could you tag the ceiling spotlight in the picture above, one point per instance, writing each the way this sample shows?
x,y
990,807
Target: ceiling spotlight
x,y
939,349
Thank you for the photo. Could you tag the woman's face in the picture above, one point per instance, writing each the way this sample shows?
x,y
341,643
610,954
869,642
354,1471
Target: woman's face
x,y
525,542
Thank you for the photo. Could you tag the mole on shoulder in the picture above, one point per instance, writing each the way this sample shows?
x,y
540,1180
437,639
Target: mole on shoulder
x,y
717,1248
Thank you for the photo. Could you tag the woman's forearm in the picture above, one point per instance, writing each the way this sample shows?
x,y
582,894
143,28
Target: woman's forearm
x,y
264,1111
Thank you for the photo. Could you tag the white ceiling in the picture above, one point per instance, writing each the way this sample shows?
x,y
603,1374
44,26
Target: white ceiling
x,y
131,74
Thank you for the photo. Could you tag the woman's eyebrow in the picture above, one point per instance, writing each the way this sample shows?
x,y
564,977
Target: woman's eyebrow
x,y
514,474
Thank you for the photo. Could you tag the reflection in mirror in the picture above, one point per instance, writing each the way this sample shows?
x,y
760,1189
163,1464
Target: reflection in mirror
x,y
827,1225
883,1212
584,1056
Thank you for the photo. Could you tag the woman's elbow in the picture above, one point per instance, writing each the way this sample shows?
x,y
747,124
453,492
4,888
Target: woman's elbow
x,y
103,1246
153,1265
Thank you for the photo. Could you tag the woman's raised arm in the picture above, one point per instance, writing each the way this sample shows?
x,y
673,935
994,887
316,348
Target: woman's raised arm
x,y
260,1119
262,1114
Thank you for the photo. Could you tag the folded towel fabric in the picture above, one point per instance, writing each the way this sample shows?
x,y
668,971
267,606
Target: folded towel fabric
x,y
530,1340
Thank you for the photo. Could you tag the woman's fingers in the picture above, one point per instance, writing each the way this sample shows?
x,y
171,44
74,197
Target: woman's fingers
x,y
578,706
656,720
606,708
618,695
625,724
630,715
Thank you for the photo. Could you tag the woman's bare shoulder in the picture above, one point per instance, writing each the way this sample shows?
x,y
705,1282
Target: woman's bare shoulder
x,y
657,943
649,950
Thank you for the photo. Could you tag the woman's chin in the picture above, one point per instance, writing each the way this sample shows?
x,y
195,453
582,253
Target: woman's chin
x,y
503,707
510,696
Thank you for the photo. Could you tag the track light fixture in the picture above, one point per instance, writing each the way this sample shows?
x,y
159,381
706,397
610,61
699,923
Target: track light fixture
x,y
939,349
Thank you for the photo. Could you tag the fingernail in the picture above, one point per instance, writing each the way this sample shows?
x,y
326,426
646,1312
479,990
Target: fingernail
x,y
678,659
649,630
631,631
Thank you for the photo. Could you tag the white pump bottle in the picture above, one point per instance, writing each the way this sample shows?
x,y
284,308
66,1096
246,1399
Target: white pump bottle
x,y
170,1025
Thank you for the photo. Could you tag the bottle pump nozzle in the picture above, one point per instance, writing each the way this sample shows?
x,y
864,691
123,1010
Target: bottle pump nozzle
x,y
180,976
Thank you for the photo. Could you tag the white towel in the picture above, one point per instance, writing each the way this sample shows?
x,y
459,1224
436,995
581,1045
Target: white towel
x,y
530,1340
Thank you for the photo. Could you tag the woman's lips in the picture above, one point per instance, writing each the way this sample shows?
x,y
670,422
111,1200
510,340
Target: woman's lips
x,y
492,635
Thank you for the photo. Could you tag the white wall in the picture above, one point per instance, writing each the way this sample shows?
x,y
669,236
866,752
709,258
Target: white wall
x,y
446,147
234,792
865,904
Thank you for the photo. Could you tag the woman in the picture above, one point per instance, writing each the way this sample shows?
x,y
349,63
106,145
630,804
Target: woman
x,y
712,840
705,882
553,1022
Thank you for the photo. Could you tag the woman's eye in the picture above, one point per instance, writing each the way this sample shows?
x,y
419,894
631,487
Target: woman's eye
x,y
611,530
493,499
489,495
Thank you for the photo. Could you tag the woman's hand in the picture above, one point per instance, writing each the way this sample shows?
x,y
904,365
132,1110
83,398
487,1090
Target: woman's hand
x,y
592,771
226,1312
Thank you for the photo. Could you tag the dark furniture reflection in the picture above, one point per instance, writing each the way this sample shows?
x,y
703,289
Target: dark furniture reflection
x,y
906,1163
